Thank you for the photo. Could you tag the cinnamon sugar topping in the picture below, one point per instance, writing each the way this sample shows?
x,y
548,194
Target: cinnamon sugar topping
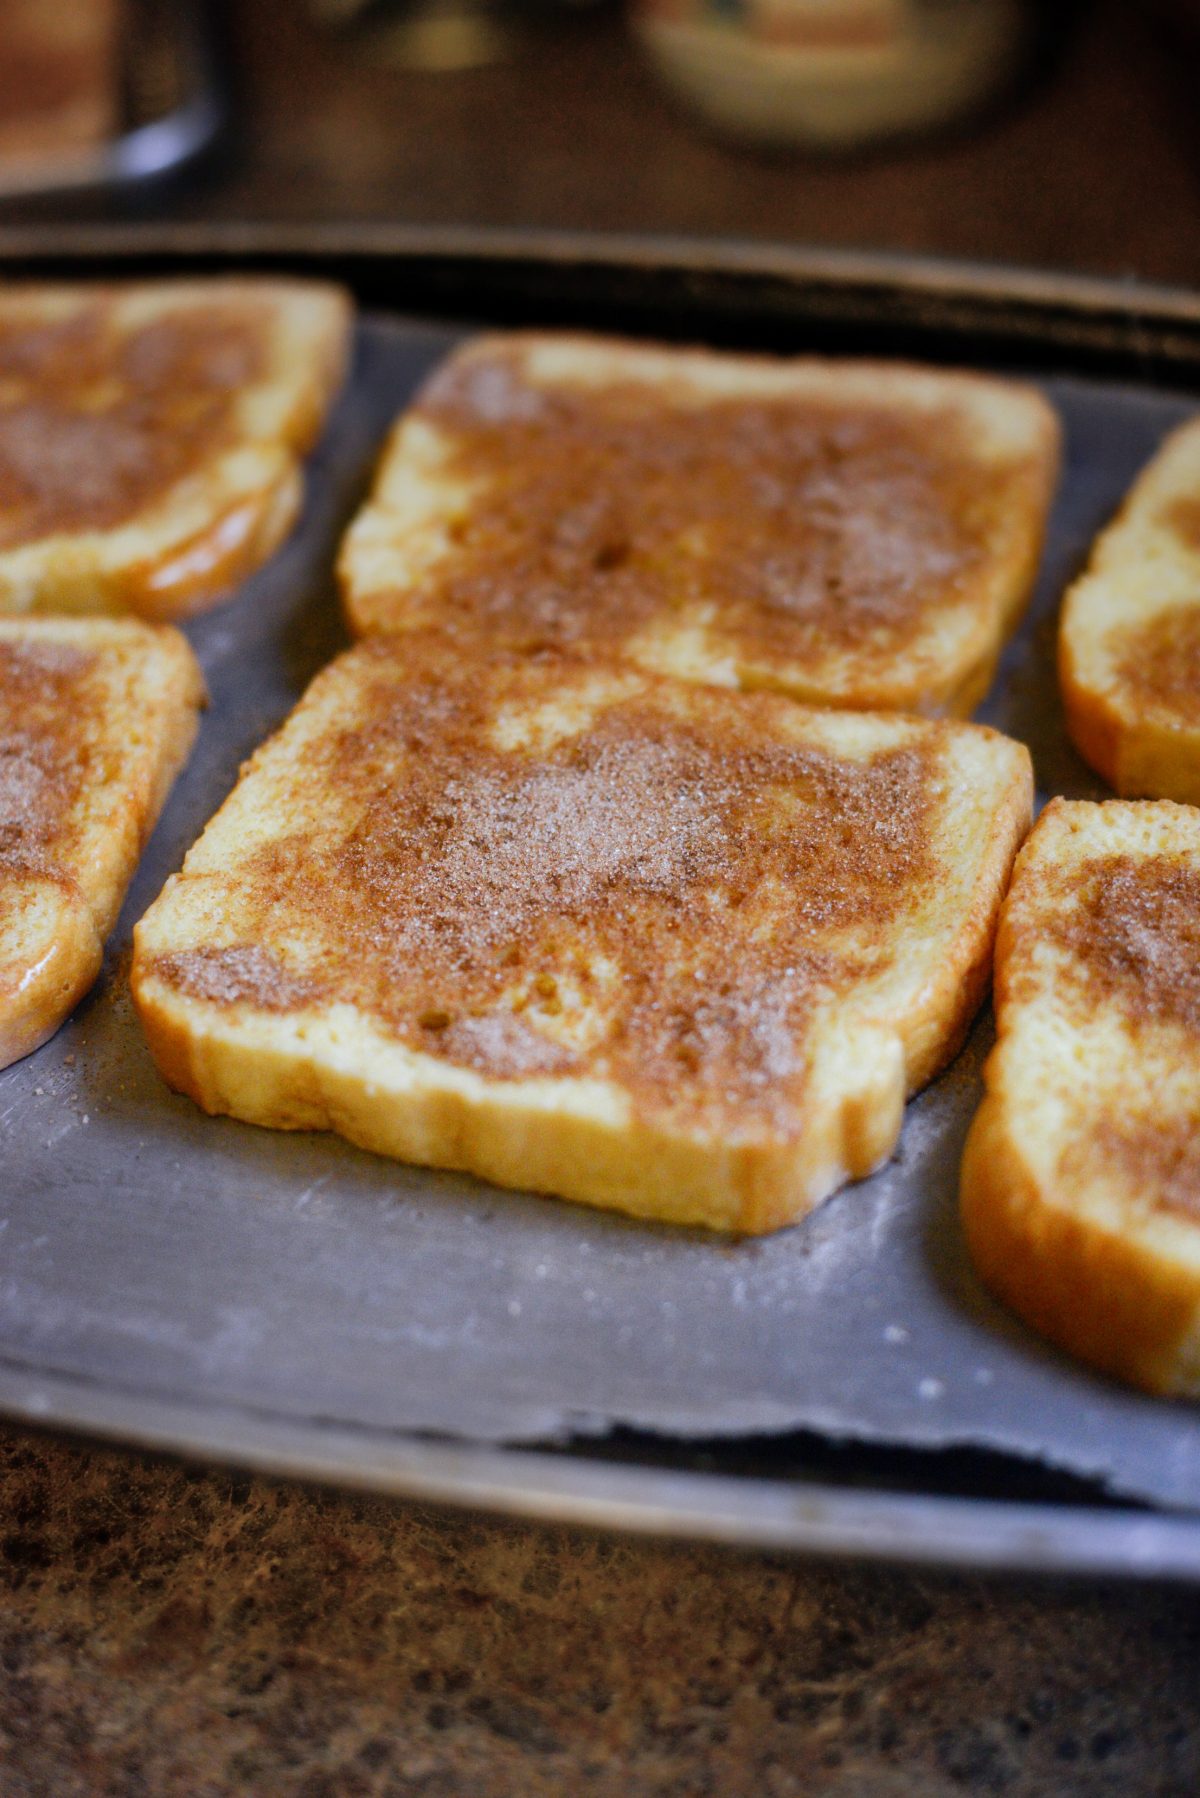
x,y
662,897
1130,926
1160,1155
97,421
1134,936
1159,662
595,510
1182,517
234,974
45,752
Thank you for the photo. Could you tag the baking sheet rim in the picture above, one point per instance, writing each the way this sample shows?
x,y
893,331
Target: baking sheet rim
x,y
921,1529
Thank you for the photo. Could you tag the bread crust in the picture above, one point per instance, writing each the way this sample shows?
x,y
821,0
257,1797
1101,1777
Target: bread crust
x,y
1081,1250
1129,637
34,999
526,1138
1099,1294
187,547
138,701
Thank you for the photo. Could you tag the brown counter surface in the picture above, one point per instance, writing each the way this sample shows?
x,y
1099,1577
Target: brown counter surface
x,y
167,1631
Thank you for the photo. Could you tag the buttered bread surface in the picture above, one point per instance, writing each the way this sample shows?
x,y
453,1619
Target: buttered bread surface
x,y
1081,1179
151,436
96,717
855,534
584,930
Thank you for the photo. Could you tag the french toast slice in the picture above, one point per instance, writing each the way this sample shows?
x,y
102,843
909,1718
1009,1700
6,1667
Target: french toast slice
x,y
585,930
151,436
1129,638
1081,1175
853,534
96,718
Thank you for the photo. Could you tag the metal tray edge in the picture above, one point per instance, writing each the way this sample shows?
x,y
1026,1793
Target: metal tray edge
x,y
983,1535
1115,317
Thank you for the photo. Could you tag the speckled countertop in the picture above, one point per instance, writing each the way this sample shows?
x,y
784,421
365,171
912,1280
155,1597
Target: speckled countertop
x,y
170,1631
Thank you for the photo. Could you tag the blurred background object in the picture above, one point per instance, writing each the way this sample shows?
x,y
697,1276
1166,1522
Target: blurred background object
x,y
100,96
58,78
437,35
1073,143
832,74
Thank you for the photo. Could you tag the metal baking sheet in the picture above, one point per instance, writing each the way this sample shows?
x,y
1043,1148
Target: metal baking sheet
x,y
278,1295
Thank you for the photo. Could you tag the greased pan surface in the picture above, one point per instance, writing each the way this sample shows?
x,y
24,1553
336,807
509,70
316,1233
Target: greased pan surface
x,y
288,1301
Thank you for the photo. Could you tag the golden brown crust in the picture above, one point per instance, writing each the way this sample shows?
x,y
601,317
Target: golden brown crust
x,y
961,980
1182,518
476,920
218,558
99,420
1098,1293
1129,640
872,523
1079,1188
579,928
1127,927
150,437
1140,757
519,1136
1092,724
50,700
95,721
37,994
1158,663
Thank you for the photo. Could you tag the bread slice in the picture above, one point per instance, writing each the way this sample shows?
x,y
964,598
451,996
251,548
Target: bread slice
x,y
1129,641
1081,1177
96,718
585,930
150,436
854,534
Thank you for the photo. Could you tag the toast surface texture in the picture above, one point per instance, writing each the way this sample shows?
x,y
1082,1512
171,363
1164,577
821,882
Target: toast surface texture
x,y
1081,1175
856,535
96,718
1129,640
151,436
585,930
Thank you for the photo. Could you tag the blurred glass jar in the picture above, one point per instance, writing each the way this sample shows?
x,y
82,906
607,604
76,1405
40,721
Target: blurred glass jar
x,y
831,74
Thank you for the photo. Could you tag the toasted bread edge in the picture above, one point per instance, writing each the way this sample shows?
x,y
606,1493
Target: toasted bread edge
x,y
74,959
1102,1296
180,578
933,1037
1139,758
36,1005
516,1134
